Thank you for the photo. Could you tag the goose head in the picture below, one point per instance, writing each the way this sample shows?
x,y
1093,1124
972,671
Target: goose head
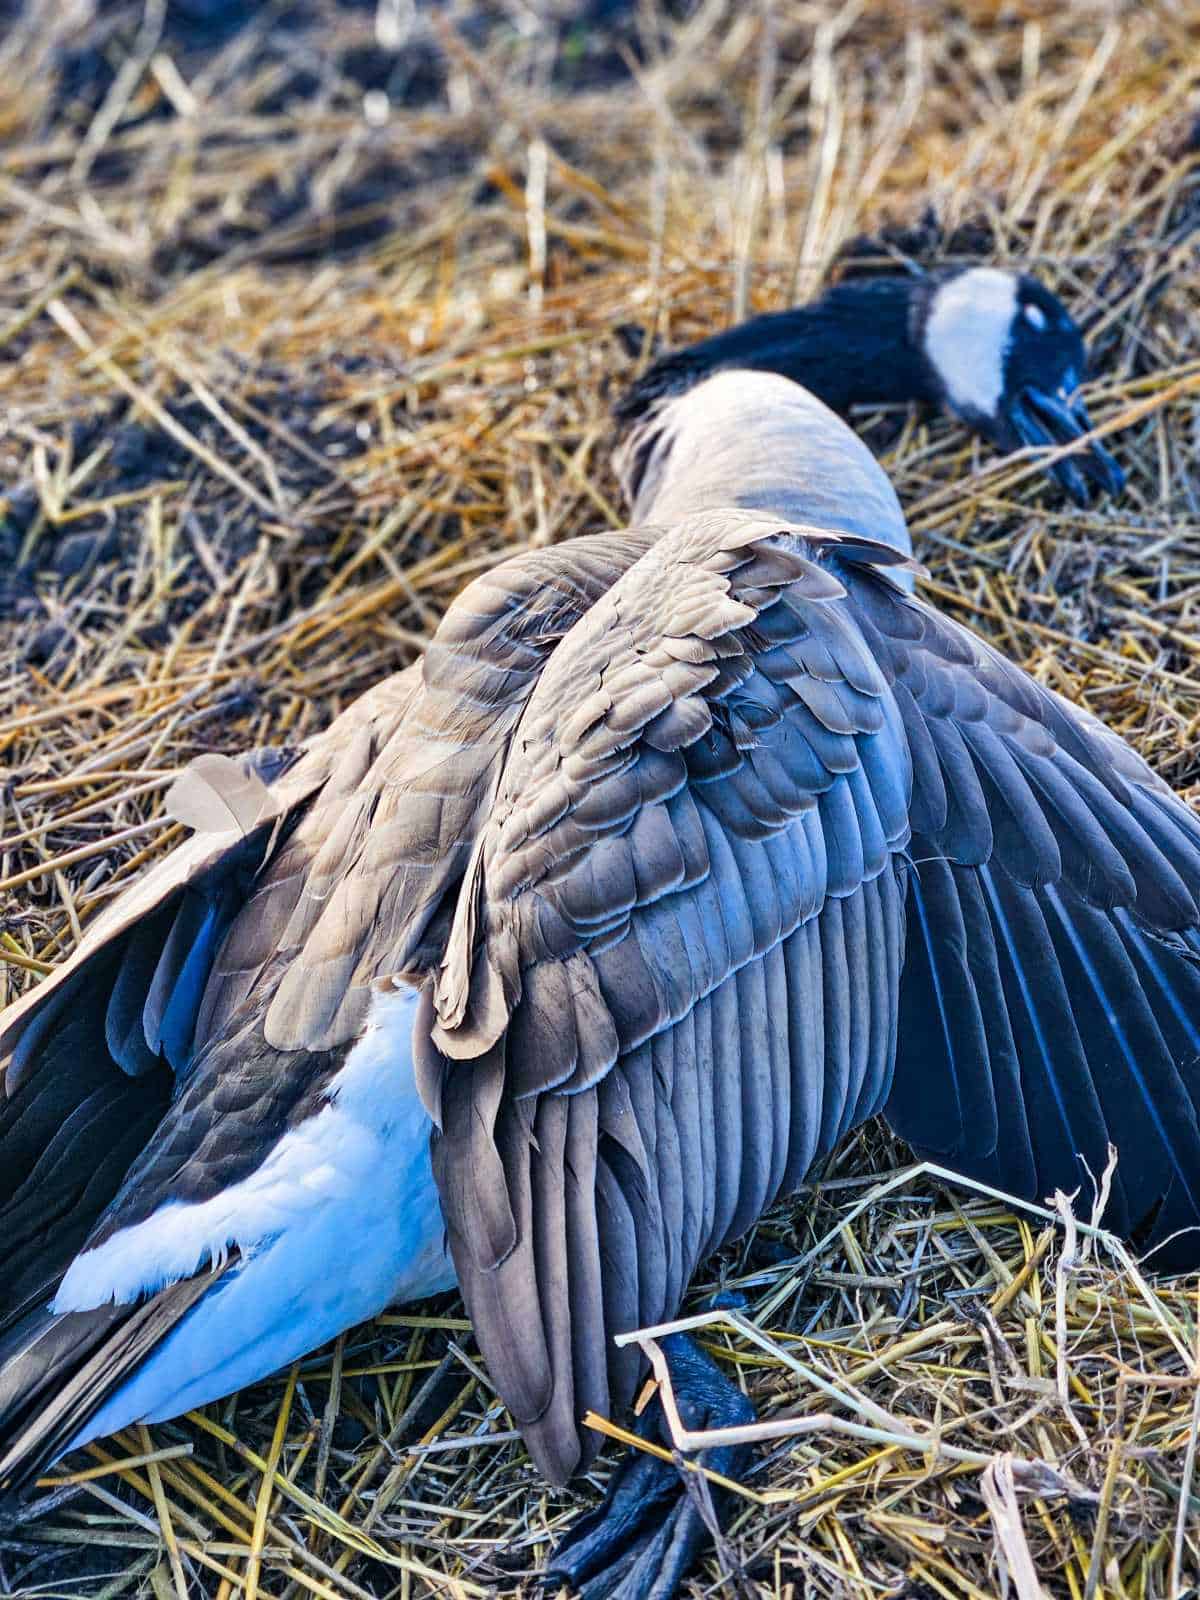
x,y
1005,355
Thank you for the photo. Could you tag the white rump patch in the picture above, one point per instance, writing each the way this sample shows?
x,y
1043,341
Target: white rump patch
x,y
967,334
351,1188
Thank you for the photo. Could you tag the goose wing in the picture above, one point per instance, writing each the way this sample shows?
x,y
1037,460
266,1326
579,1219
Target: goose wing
x,y
350,894
1050,1001
204,1017
672,972
280,928
91,1059
227,839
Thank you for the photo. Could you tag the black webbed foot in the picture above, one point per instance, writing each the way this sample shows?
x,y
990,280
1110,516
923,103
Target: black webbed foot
x,y
654,1522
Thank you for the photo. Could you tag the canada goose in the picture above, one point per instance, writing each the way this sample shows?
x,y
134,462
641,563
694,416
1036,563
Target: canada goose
x,y
682,851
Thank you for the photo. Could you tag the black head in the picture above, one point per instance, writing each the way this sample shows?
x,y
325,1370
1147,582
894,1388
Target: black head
x,y
1007,357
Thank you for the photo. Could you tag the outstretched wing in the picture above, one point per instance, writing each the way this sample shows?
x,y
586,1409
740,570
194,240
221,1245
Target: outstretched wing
x,y
90,1059
675,967
1050,1002
208,1012
672,974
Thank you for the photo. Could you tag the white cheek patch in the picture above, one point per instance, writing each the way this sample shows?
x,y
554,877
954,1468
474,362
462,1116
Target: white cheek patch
x,y
1036,315
967,334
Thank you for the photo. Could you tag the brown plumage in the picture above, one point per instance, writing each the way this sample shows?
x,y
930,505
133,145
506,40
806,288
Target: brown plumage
x,y
702,843
674,976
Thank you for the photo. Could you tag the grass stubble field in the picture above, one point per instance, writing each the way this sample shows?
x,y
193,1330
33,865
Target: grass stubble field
x,y
310,312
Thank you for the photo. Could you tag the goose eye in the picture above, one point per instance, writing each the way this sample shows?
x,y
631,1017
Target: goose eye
x,y
1035,315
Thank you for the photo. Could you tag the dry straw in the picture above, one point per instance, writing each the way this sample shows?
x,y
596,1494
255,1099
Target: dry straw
x,y
282,367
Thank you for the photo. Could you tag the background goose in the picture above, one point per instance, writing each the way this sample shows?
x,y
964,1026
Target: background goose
x,y
682,851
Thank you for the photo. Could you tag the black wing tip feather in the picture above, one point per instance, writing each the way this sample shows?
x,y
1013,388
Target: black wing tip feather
x,y
1087,1036
39,1358
57,1371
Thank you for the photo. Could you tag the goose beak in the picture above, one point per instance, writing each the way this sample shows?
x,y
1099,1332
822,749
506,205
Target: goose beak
x,y
1044,419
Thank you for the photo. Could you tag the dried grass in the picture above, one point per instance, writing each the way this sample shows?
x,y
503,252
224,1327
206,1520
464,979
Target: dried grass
x,y
280,373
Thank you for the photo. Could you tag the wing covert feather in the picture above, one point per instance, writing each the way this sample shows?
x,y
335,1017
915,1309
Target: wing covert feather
x,y
647,914
767,813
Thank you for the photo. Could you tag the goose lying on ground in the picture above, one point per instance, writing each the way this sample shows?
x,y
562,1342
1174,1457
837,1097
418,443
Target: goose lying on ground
x,y
681,852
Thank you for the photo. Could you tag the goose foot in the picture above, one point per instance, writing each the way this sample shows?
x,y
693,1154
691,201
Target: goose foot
x,y
655,1520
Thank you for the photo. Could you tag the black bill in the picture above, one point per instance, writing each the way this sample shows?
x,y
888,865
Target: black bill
x,y
1047,420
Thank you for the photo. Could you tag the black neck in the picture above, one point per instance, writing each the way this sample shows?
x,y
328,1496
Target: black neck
x,y
858,344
